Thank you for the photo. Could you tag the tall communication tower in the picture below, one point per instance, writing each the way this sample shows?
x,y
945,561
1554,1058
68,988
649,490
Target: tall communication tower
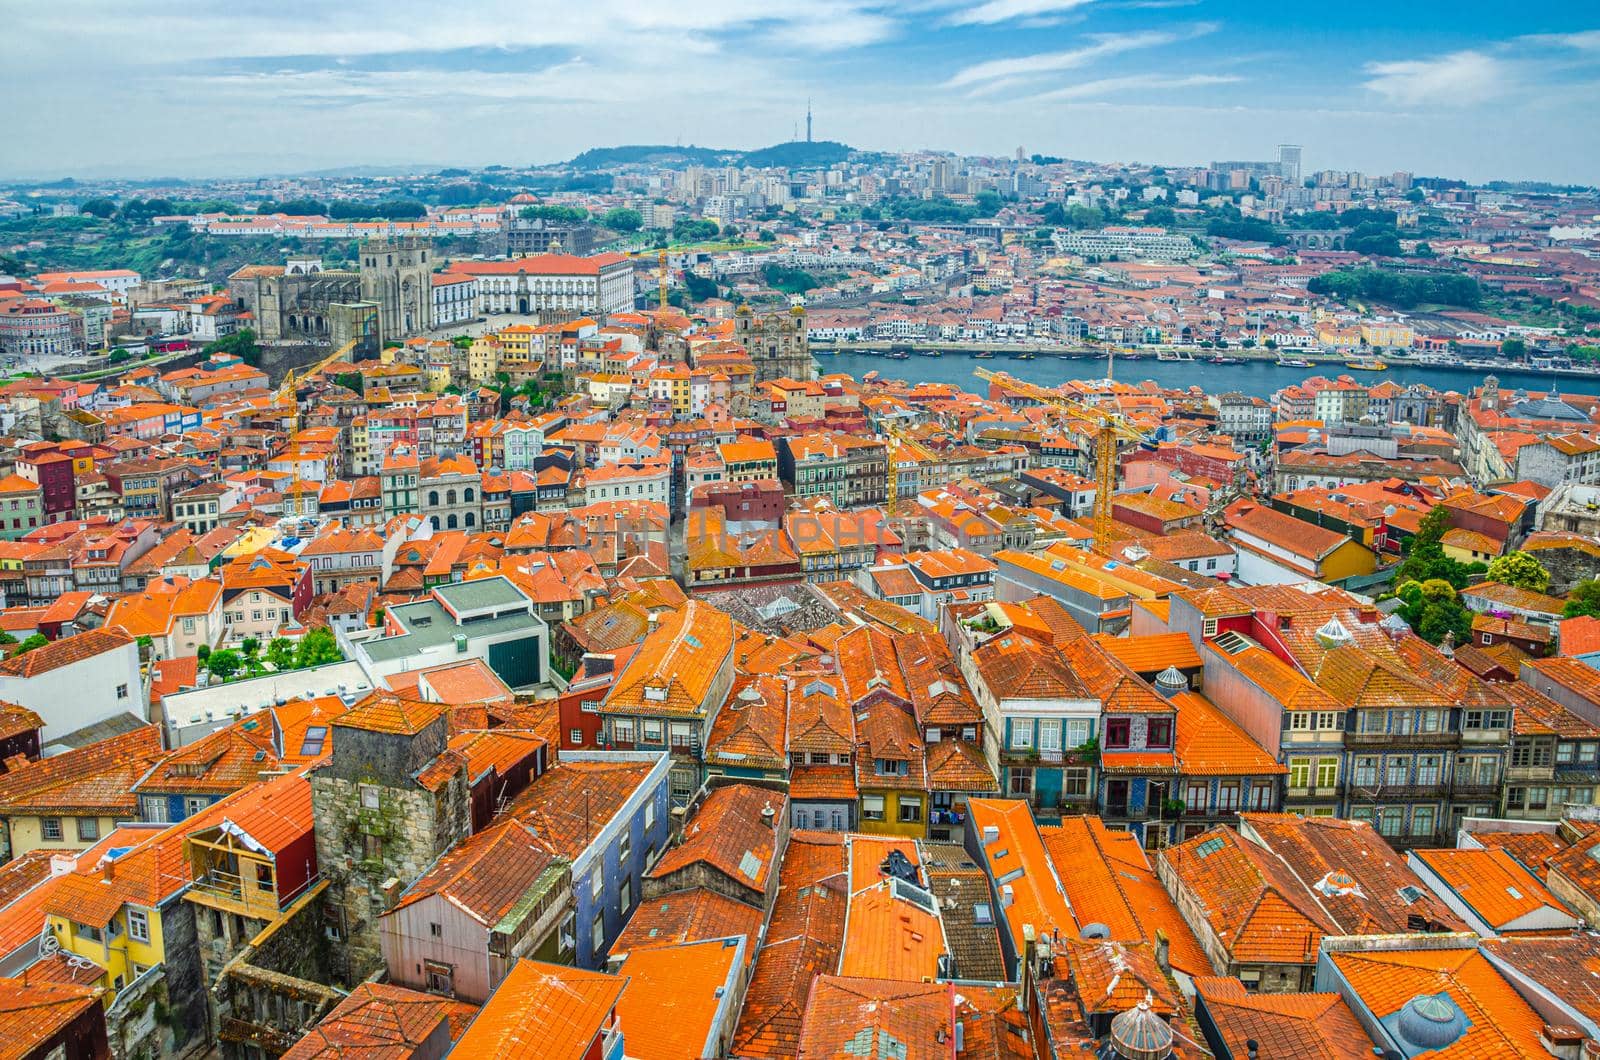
x,y
808,119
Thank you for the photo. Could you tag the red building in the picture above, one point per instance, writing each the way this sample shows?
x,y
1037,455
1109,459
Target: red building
x,y
51,469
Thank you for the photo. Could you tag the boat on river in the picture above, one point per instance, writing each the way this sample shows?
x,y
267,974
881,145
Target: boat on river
x,y
1366,364
1293,362
1175,355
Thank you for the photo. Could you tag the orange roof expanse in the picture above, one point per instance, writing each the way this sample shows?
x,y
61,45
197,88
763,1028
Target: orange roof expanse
x,y
674,997
1018,853
543,1012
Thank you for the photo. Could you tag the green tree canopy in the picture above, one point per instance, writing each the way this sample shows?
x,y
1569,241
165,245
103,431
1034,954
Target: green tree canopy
x,y
1521,571
38,640
623,219
98,207
224,663
1584,599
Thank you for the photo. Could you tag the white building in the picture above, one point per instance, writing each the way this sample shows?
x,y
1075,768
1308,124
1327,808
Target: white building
x,y
552,286
455,299
76,681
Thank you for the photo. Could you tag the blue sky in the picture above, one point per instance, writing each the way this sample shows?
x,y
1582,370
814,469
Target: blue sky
x,y
1468,89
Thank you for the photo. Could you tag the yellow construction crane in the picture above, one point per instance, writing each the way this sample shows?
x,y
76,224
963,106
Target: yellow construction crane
x,y
899,440
1111,429
286,388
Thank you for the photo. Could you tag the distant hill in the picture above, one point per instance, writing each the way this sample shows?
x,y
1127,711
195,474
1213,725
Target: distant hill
x,y
797,154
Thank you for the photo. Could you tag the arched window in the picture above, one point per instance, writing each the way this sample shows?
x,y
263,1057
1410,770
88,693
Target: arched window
x,y
470,520
450,521
450,497
468,495
434,519
433,499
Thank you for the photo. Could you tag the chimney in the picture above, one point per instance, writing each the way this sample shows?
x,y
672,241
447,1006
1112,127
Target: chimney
x,y
961,1037
108,871
1252,1048
768,815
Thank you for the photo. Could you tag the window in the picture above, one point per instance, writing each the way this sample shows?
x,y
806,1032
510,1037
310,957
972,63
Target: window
x,y
682,735
1228,796
1397,771
1327,772
1391,820
1075,782
872,807
1487,719
649,815
652,731
1159,733
1117,733
1371,720
1423,819
1021,734
372,848
88,829
576,736
369,797
1299,772
910,810
597,883
1021,783
436,930
624,848
138,925
683,784
1196,796
1301,720
122,691
1538,798
193,804
891,767
1367,770
1049,735
625,893
1429,720
1260,796
622,730
440,977
1077,732
50,828
1428,769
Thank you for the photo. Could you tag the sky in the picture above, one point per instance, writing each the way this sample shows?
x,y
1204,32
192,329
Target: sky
x,y
1465,89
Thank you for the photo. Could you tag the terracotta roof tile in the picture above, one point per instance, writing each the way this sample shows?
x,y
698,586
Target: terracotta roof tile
x,y
728,832
1312,1026
32,1014
378,1021
673,997
692,915
64,652
543,1012
95,779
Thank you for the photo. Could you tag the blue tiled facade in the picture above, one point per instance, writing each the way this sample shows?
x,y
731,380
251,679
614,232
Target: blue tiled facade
x,y
618,858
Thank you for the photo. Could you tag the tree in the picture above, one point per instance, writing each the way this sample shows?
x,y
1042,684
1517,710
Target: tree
x,y
1584,599
570,215
349,380
1165,216
317,647
623,219
241,344
38,640
1445,617
203,652
768,236
101,208
987,202
1521,571
225,663
280,653
250,645
699,287
118,355
1514,348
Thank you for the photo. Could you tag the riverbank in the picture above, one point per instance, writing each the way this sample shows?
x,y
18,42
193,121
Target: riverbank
x,y
1257,377
1320,361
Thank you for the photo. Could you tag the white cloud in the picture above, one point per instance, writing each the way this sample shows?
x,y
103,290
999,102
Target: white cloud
x,y
1105,44
993,11
1107,86
1459,79
1585,40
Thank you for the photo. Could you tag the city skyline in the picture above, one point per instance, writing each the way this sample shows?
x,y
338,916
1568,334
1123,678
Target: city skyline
x,y
1493,96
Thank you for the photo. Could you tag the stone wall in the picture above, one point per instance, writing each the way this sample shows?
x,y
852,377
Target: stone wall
x,y
361,850
271,992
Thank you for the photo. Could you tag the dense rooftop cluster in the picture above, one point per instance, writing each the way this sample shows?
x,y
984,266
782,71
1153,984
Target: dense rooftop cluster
x,y
482,658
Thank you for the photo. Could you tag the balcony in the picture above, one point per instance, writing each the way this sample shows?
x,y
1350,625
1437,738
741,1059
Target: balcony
x,y
1411,741
1314,791
1377,793
1475,790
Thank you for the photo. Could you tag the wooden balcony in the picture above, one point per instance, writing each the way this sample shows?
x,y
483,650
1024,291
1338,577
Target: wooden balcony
x,y
233,894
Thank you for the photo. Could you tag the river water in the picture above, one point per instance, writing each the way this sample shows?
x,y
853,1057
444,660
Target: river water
x,y
1257,378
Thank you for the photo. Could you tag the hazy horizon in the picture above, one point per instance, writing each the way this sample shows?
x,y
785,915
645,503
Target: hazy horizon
x,y
1468,90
